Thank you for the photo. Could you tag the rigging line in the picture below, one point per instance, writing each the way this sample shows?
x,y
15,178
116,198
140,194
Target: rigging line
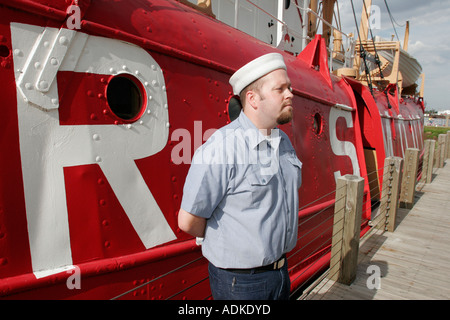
x,y
207,298
375,227
377,58
319,225
367,201
280,21
321,253
315,283
324,275
325,195
337,17
312,292
314,215
187,288
300,14
374,231
320,13
362,51
370,174
374,189
308,10
264,11
320,235
392,17
316,255
373,172
157,278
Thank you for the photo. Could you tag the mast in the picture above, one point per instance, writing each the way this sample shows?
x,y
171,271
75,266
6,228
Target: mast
x,y
405,42
364,25
328,11
312,19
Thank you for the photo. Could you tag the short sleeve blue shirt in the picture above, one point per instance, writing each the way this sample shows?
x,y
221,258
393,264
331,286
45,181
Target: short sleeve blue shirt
x,y
246,185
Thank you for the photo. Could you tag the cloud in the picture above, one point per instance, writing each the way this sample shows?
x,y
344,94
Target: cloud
x,y
417,46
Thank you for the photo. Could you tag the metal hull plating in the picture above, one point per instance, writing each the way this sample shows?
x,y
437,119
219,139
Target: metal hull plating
x,y
89,196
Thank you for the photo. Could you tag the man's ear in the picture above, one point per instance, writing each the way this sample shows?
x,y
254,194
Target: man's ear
x,y
252,99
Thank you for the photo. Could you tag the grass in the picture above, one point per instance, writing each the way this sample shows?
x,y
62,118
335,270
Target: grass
x,y
434,132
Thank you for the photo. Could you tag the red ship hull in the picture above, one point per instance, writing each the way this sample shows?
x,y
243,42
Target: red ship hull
x,y
98,249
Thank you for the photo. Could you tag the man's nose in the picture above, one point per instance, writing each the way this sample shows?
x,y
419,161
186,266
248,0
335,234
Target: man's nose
x,y
289,95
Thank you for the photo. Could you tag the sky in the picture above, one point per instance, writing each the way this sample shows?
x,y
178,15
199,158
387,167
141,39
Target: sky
x,y
429,38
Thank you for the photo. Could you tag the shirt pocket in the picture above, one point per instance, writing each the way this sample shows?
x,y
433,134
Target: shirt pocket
x,y
261,188
295,169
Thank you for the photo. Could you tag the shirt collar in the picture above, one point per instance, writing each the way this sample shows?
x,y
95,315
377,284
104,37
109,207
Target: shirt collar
x,y
255,136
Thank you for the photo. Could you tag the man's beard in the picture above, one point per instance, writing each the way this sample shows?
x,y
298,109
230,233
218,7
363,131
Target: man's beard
x,y
285,116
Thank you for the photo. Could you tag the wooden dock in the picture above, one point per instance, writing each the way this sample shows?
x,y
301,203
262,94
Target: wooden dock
x,y
413,261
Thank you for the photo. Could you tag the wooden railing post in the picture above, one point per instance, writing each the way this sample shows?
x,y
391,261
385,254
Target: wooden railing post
x,y
437,155
428,160
392,178
442,151
408,187
346,228
448,145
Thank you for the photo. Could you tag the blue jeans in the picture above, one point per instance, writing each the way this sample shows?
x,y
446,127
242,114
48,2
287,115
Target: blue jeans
x,y
268,285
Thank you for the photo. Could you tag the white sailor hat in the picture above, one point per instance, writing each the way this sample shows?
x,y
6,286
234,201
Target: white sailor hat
x,y
255,69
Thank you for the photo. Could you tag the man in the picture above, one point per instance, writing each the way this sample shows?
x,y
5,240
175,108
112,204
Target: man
x,y
241,192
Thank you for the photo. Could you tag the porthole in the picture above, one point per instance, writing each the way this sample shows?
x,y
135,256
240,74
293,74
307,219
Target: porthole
x,y
4,51
287,4
317,124
126,97
234,108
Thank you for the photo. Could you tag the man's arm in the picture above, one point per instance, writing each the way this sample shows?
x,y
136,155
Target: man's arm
x,y
191,224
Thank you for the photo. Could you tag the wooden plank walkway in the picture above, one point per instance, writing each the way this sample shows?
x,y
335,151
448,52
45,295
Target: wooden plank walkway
x,y
414,260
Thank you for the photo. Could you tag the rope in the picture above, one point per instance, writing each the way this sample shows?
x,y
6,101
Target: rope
x,y
393,20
